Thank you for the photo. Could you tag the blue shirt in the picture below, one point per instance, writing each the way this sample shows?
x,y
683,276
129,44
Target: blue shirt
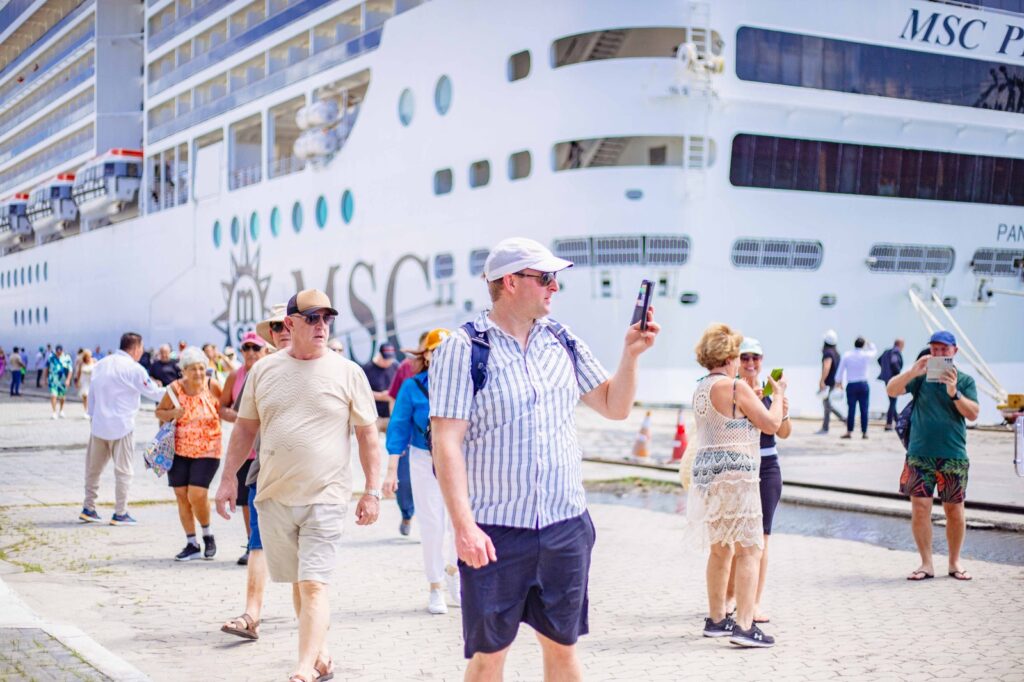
x,y
410,417
523,460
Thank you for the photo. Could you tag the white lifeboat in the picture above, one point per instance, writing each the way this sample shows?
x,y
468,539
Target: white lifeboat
x,y
106,189
52,210
14,225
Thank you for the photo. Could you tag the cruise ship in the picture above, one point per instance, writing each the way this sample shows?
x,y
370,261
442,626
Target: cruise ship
x,y
176,167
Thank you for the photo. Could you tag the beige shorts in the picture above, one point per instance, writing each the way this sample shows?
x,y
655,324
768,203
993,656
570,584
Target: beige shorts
x,y
301,543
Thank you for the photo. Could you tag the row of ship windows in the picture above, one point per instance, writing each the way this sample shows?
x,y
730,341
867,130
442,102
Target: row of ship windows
x,y
842,66
23,276
27,316
868,170
782,254
320,214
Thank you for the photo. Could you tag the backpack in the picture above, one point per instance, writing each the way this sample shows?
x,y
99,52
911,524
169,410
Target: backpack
x,y
480,351
424,432
903,424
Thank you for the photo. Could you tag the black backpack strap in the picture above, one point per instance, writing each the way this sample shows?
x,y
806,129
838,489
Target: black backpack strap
x,y
480,350
568,343
423,389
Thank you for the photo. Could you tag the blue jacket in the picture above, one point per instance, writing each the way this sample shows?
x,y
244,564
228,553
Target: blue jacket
x,y
410,417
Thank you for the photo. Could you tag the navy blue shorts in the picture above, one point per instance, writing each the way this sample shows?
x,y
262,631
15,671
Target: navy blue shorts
x,y
540,578
255,541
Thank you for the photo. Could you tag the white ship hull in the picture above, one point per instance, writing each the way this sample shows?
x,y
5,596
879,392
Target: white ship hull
x,y
161,274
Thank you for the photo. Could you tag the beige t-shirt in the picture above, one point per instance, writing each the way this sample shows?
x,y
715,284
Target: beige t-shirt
x,y
306,409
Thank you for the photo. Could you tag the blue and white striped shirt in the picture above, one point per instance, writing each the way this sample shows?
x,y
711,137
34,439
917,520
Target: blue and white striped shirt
x,y
523,460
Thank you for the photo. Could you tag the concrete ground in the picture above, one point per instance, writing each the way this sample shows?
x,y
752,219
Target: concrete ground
x,y
838,608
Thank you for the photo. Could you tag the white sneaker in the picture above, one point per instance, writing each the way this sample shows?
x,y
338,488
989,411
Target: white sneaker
x,y
85,416
62,414
436,605
55,415
454,586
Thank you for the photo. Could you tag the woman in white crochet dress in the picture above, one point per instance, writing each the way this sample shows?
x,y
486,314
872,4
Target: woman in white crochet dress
x,y
724,499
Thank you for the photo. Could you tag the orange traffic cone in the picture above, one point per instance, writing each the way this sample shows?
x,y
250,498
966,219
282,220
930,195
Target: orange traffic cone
x,y
642,445
680,442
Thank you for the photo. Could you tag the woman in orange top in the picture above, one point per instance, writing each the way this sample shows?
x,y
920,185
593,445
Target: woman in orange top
x,y
197,448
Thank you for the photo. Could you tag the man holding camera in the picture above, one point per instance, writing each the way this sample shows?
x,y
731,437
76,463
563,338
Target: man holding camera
x,y
937,454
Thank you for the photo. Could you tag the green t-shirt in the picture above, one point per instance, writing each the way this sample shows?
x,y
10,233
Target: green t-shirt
x,y
937,429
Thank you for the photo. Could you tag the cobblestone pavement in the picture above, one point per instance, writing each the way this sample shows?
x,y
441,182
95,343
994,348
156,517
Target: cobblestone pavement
x,y
32,654
839,609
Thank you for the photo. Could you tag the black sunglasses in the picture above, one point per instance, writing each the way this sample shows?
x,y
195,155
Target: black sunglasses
x,y
313,319
250,347
747,357
546,278
277,327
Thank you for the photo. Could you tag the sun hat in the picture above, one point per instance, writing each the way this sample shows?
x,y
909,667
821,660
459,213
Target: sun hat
x,y
434,339
751,345
276,315
518,253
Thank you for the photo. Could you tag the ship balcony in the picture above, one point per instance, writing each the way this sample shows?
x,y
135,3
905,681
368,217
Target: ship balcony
x,y
270,83
52,64
54,124
44,97
64,153
23,57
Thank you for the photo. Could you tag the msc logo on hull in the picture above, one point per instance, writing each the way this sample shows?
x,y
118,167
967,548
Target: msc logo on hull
x,y
245,296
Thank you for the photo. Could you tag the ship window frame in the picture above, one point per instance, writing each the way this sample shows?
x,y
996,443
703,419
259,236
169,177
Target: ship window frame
x,y
991,266
477,261
443,95
514,165
348,206
515,66
297,217
406,107
479,173
444,266
444,182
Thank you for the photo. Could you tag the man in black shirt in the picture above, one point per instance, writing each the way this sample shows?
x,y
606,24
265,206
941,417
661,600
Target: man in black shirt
x,y
827,382
380,372
163,369
891,362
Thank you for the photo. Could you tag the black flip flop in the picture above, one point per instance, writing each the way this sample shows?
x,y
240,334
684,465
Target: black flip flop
x,y
924,576
961,575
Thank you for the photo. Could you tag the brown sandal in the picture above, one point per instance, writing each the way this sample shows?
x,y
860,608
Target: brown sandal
x,y
325,674
250,629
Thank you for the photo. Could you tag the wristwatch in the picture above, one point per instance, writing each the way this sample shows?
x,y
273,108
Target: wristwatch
x,y
373,493
957,396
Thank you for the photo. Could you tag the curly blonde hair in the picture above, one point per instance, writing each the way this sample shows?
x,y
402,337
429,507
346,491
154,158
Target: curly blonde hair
x,y
719,344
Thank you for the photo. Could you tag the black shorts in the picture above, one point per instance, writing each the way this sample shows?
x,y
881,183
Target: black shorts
x,y
242,499
194,471
540,578
771,490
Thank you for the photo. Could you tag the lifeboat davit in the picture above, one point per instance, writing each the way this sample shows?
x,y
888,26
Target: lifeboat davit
x,y
52,210
15,228
106,189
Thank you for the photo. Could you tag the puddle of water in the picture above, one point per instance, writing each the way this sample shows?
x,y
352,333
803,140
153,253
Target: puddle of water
x,y
1004,547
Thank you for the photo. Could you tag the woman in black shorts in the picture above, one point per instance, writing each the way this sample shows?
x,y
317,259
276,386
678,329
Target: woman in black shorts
x,y
197,448
771,475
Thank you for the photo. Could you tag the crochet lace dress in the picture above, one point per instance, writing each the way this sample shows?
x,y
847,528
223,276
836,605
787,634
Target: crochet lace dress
x,y
724,501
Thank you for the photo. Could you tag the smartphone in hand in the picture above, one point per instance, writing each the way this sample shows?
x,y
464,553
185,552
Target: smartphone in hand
x,y
643,304
766,389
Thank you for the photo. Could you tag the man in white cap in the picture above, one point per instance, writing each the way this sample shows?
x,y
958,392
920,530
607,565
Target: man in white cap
x,y
303,401
509,463
827,382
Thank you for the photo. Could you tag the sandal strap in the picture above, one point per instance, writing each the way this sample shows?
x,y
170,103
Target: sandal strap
x,y
250,621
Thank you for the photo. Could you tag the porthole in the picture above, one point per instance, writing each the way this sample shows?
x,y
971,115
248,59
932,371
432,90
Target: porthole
x,y
479,173
46,267
46,314
347,206
236,230
275,221
519,165
297,217
443,95
443,181
30,274
38,316
321,212
254,226
15,318
216,234
518,66
406,107
23,277
37,273
23,316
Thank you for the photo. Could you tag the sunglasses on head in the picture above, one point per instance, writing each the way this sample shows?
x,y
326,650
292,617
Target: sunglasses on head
x,y
277,327
747,357
249,347
313,319
546,278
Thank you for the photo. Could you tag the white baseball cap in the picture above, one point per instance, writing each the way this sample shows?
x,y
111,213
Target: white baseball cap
x,y
518,253
830,337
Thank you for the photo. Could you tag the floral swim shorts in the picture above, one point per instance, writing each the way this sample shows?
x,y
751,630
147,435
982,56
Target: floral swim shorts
x,y
922,475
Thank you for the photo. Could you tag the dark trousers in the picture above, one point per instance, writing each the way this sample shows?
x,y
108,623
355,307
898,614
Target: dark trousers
x,y
890,415
404,493
16,382
39,377
857,395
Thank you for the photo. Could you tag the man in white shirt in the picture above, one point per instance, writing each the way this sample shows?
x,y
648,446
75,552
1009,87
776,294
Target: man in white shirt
x,y
117,382
853,371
